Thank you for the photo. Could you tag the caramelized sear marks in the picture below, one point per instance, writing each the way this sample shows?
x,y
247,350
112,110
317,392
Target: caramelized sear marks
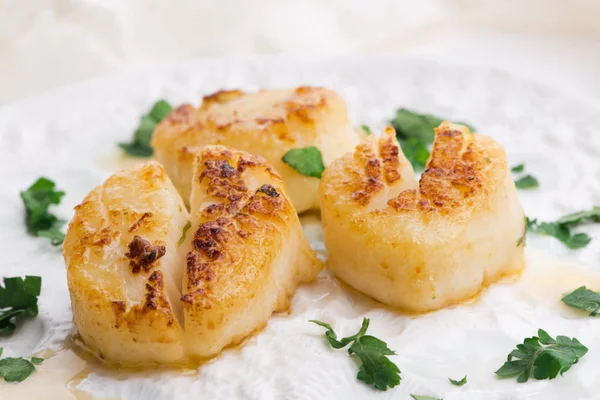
x,y
142,254
224,181
268,190
371,183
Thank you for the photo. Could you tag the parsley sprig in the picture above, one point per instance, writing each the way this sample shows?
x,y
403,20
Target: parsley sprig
x,y
584,299
140,143
376,368
561,228
542,357
17,369
37,200
307,160
18,299
415,134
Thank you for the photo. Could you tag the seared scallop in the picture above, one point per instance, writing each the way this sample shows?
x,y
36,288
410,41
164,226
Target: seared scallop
x,y
422,246
268,124
124,268
151,284
246,251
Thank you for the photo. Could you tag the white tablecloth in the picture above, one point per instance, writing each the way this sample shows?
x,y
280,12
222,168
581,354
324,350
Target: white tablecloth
x,y
48,43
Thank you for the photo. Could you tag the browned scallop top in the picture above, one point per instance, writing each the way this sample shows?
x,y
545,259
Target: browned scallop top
x,y
125,222
462,168
242,221
266,111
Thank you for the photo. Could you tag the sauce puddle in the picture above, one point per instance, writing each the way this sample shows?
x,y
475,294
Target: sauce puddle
x,y
545,280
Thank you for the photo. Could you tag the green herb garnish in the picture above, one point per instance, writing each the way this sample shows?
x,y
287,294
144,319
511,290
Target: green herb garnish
x,y
376,369
527,182
561,229
307,161
186,227
584,299
18,299
581,217
416,152
518,168
37,199
542,357
458,383
366,129
415,134
17,369
140,144
420,397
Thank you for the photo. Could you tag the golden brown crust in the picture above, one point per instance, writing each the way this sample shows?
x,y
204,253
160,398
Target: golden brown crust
x,y
234,111
142,254
220,97
389,151
228,225
454,174
453,180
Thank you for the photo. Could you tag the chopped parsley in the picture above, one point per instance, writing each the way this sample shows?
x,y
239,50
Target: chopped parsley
x,y
186,227
561,229
140,143
366,129
542,357
37,199
17,369
585,299
462,382
415,134
376,368
307,161
581,217
420,397
527,182
18,299
518,168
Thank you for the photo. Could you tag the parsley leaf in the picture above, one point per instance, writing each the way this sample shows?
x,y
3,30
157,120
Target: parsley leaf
x,y
409,123
18,298
416,152
581,217
518,168
307,161
37,199
140,144
527,182
561,229
458,383
17,369
366,129
376,369
542,357
584,299
186,227
415,134
37,360
420,397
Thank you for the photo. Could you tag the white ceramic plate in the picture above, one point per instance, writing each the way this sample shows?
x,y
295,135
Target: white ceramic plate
x,y
70,135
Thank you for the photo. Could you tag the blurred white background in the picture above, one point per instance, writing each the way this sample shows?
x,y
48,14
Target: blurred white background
x,y
48,43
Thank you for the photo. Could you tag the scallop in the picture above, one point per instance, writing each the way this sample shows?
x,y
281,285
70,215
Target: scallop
x,y
152,283
267,123
421,246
